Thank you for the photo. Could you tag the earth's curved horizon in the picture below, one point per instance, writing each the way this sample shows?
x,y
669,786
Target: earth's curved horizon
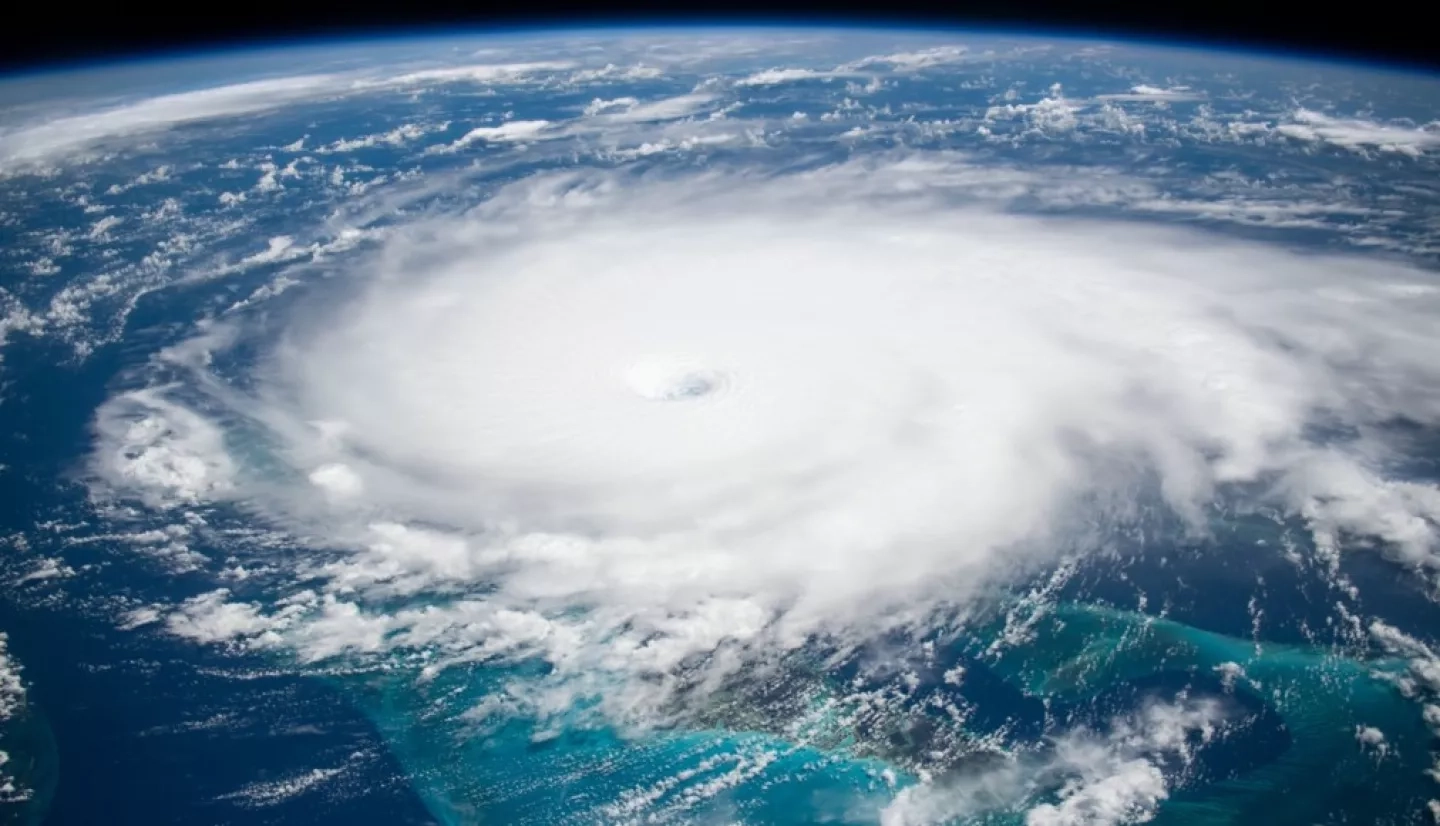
x,y
720,425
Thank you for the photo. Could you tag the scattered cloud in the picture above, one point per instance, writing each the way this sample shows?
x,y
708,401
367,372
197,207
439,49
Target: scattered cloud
x,y
1052,114
12,688
610,73
12,702
1114,777
398,136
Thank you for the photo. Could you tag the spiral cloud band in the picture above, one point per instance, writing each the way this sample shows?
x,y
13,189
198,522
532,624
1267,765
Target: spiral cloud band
x,y
623,421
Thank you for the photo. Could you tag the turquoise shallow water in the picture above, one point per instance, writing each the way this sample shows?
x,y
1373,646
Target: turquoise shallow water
x,y
1286,753
1314,699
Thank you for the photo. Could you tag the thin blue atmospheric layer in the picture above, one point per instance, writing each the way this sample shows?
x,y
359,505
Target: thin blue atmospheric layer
x,y
137,720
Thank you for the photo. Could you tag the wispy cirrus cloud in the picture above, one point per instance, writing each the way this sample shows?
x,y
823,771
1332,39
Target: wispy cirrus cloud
x,y
50,138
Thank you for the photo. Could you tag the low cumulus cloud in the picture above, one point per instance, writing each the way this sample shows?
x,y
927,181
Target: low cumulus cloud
x,y
618,422
1093,778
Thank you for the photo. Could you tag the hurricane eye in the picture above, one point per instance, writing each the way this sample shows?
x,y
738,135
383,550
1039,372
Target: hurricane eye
x,y
671,380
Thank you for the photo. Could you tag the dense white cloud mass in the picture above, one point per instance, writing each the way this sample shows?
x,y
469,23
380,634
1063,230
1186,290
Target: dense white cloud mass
x,y
653,418
166,450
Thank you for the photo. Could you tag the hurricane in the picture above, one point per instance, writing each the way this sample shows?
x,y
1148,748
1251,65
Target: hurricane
x,y
659,434
904,484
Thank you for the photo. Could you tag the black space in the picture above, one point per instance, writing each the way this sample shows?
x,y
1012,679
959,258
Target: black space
x,y
42,35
